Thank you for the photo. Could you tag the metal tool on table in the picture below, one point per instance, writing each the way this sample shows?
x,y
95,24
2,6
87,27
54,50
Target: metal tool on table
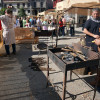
x,y
92,42
74,53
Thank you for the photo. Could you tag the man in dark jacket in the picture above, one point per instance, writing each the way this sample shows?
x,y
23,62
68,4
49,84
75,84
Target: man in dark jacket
x,y
92,29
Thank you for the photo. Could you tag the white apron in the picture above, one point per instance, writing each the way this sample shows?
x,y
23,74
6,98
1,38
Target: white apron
x,y
8,29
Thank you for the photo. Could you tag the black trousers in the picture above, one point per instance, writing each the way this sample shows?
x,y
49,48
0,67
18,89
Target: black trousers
x,y
7,49
72,31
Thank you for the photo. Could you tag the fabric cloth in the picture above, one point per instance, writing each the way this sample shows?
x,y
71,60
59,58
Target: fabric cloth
x,y
8,29
92,26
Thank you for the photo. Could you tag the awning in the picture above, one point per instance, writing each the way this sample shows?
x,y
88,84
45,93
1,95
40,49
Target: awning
x,y
61,5
82,3
82,6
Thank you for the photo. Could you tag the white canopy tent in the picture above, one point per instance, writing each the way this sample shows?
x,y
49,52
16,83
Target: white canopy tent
x,y
81,5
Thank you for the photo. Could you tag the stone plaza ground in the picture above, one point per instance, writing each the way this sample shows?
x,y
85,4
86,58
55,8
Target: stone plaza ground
x,y
19,82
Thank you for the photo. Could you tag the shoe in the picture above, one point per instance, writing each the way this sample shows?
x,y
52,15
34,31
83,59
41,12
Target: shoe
x,y
58,36
14,53
7,55
62,36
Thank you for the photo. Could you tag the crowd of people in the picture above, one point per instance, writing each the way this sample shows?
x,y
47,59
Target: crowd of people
x,y
63,24
27,22
46,24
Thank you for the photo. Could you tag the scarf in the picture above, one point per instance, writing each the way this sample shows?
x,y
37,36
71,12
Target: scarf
x,y
95,20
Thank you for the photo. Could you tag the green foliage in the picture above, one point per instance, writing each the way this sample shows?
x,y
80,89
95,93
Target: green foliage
x,y
2,11
21,12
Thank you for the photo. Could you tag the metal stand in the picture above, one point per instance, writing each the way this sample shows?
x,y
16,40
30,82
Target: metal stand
x,y
64,84
71,75
98,77
47,71
59,63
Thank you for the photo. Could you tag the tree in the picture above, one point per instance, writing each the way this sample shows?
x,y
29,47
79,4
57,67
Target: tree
x,y
2,11
21,12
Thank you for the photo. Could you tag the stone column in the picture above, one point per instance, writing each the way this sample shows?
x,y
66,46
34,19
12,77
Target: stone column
x,y
88,13
76,18
31,9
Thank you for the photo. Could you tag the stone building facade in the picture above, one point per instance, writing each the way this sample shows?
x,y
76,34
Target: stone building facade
x,y
31,7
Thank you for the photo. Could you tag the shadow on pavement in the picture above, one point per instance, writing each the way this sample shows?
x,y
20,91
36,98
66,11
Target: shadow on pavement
x,y
37,79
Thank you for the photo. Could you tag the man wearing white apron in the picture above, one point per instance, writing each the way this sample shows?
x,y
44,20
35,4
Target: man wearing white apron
x,y
7,21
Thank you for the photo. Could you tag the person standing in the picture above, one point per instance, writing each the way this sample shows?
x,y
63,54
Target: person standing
x,y
8,21
21,22
72,30
64,24
61,31
33,23
45,25
24,22
39,24
17,22
27,23
92,29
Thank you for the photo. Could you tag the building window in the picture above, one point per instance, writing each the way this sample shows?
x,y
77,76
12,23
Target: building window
x,y
5,5
10,4
28,5
41,4
18,5
34,5
28,11
23,4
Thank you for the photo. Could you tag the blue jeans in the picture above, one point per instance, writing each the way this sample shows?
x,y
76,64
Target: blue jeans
x,y
61,30
72,31
7,49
